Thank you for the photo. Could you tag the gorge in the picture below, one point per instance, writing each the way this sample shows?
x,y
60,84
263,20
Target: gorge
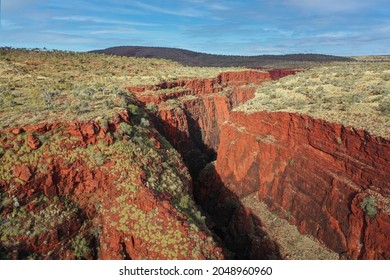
x,y
317,175
105,157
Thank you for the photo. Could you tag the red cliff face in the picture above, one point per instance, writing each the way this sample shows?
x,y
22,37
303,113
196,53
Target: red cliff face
x,y
328,180
193,127
207,86
322,175
120,187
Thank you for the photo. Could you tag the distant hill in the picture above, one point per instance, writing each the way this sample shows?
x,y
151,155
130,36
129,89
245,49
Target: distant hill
x,y
191,58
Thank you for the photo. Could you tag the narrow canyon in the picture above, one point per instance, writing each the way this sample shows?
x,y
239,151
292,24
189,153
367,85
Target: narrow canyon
x,y
124,187
317,175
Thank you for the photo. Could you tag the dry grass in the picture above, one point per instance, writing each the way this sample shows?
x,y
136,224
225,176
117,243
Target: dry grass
x,y
37,86
292,244
354,94
381,58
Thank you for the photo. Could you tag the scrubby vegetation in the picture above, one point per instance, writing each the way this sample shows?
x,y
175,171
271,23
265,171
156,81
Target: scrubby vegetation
x,y
354,94
58,88
133,152
368,205
119,171
38,86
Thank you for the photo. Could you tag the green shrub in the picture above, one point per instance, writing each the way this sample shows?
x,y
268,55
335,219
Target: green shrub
x,y
385,76
125,128
80,247
99,157
384,107
151,107
108,105
185,202
144,122
103,123
133,109
369,206
49,98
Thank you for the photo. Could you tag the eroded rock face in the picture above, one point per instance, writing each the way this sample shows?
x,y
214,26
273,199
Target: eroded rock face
x,y
318,173
125,192
98,190
193,127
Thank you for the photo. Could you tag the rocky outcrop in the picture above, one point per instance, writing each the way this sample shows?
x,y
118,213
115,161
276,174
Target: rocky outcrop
x,y
329,180
100,189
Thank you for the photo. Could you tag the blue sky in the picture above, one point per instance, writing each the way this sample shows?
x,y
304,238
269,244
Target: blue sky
x,y
339,27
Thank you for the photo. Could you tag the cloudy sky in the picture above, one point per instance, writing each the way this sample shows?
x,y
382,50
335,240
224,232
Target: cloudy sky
x,y
339,27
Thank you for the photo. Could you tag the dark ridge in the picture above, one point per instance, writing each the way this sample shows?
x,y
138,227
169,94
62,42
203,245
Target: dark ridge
x,y
191,58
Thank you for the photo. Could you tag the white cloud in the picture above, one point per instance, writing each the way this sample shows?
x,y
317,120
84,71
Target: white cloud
x,y
270,50
335,35
217,7
330,5
210,5
13,5
188,12
8,25
114,31
102,20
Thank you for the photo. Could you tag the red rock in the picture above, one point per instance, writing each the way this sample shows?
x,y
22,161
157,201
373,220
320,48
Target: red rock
x,y
91,140
88,130
310,174
276,74
206,86
193,126
50,190
103,132
125,116
74,130
22,172
17,131
33,142
196,127
108,140
38,128
304,171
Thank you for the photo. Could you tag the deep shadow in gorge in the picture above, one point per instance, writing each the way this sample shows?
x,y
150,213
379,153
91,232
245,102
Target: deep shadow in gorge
x,y
239,231
308,166
193,128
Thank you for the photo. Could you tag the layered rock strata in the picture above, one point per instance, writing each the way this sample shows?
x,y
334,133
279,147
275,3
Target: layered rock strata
x,y
329,180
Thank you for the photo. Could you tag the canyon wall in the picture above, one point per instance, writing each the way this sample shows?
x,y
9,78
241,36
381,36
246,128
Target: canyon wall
x,y
328,180
191,112
119,185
